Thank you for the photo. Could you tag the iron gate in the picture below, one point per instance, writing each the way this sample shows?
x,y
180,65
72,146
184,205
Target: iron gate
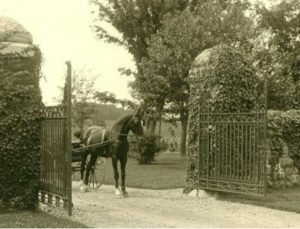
x,y
232,155
56,173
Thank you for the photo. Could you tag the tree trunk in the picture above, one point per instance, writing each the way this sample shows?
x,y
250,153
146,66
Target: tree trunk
x,y
159,130
183,137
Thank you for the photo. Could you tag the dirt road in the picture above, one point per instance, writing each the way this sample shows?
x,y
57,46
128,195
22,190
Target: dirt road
x,y
168,208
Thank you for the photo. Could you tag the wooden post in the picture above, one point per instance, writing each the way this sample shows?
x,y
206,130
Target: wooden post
x,y
68,142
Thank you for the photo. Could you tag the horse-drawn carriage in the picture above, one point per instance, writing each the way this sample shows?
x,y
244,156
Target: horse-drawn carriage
x,y
100,142
98,170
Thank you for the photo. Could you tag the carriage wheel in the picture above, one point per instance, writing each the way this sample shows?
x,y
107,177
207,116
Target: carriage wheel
x,y
97,173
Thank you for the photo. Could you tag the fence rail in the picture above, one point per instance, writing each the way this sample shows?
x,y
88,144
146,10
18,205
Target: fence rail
x,y
55,141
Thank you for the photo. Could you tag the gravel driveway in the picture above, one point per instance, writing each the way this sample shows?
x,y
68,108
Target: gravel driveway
x,y
168,208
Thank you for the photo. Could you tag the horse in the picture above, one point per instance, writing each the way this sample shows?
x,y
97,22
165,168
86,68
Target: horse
x,y
112,143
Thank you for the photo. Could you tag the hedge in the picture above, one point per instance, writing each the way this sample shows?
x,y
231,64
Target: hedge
x,y
283,148
20,101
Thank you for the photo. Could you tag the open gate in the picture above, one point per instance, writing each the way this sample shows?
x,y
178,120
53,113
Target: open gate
x,y
56,171
232,154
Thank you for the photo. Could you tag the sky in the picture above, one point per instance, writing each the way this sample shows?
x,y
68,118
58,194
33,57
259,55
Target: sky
x,y
62,30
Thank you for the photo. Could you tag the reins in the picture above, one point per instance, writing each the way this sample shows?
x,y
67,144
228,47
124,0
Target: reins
x,y
119,133
102,143
93,145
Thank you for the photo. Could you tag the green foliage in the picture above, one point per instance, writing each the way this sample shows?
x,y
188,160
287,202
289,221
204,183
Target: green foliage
x,y
291,134
221,80
275,140
20,101
146,149
162,80
135,20
225,78
106,97
283,138
276,52
163,75
82,94
173,49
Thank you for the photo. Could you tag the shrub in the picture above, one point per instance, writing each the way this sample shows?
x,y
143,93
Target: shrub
x,y
283,153
284,128
291,134
146,149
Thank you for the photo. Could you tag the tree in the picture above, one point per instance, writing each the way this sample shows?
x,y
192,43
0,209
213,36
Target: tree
x,y
82,94
136,21
127,104
164,74
278,56
105,97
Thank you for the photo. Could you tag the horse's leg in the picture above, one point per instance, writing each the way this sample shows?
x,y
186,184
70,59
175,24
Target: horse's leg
x,y
116,176
82,166
123,166
89,166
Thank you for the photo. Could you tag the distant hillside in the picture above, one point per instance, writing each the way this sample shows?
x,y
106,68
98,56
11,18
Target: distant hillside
x,y
100,114
106,112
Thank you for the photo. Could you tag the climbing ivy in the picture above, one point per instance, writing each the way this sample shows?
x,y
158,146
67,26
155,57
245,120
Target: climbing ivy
x,y
291,134
221,81
20,101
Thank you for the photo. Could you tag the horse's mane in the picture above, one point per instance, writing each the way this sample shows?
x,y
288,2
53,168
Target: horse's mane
x,y
123,118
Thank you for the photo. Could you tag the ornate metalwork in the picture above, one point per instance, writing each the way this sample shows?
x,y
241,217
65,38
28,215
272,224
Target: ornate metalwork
x,y
56,170
231,149
54,112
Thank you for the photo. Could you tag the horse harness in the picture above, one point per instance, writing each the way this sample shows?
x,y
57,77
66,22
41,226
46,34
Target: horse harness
x,y
104,143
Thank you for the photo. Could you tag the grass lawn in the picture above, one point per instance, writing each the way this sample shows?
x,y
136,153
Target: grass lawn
x,y
35,219
166,172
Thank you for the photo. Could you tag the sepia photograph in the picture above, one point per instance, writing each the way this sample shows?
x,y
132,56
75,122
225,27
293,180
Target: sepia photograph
x,y
149,113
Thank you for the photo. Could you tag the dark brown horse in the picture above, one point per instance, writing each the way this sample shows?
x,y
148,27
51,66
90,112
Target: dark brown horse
x,y
111,143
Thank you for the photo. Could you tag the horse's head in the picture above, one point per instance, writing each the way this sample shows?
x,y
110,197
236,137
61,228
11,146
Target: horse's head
x,y
135,124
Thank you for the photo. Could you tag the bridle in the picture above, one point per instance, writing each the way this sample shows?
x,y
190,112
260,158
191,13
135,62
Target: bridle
x,y
118,133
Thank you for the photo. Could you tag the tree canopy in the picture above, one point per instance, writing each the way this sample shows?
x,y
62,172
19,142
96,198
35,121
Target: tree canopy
x,y
163,75
278,56
82,95
165,36
135,20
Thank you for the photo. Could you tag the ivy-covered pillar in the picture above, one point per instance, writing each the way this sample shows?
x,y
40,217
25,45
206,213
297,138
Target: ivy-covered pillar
x,y
223,81
20,100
